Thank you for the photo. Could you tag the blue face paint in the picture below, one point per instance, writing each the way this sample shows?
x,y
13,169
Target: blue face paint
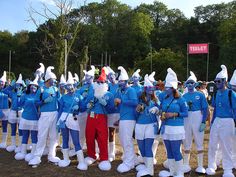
x,y
122,84
33,88
136,80
169,90
88,79
76,84
111,77
52,82
70,88
2,84
149,90
190,85
220,83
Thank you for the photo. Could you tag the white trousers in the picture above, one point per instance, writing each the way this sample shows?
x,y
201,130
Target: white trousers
x,y
126,129
191,126
47,129
222,131
82,125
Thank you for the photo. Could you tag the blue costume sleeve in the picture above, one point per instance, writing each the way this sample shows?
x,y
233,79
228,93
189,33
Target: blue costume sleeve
x,y
8,90
183,108
110,104
204,114
60,108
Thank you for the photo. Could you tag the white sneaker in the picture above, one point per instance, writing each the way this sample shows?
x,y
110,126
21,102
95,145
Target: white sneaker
x,y
28,157
122,168
64,163
200,170
186,168
104,165
89,160
53,159
20,156
164,173
210,171
35,161
11,148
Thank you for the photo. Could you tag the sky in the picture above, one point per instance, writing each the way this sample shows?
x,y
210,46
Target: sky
x,y
14,14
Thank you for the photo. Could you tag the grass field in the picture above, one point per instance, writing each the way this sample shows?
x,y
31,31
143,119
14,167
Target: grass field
x,y
9,167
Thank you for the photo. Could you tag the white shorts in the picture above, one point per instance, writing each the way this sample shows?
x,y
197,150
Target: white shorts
x,y
12,118
173,133
28,124
6,113
71,122
112,118
144,131
191,126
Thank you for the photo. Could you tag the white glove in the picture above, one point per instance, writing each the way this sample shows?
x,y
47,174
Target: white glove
x,y
154,110
102,101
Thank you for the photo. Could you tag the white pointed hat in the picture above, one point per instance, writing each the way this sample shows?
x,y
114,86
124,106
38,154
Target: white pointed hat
x,y
123,74
192,77
35,81
70,79
223,74
41,68
49,74
91,72
19,80
233,79
4,76
147,82
136,73
171,79
76,77
110,71
151,76
62,79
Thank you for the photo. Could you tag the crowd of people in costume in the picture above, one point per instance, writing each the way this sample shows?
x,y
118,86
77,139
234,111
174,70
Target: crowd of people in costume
x,y
87,115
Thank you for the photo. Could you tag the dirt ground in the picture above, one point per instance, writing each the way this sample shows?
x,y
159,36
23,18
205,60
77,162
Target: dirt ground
x,y
9,167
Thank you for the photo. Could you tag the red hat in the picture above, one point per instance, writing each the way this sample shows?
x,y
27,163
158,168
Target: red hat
x,y
102,77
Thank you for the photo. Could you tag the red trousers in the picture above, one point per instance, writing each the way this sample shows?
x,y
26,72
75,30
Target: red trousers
x,y
97,129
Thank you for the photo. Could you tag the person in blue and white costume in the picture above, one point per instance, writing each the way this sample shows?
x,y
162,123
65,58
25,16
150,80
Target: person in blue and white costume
x,y
232,85
69,105
15,91
4,107
195,123
85,91
48,119
62,85
174,108
40,72
113,116
151,78
146,128
29,120
127,100
222,126
136,82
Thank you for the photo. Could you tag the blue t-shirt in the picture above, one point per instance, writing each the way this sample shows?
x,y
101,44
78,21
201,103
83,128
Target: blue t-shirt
x,y
196,101
129,101
30,109
169,104
98,108
3,100
45,92
222,105
146,117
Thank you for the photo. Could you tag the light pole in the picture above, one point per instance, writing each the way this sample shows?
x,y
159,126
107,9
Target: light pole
x,y
151,56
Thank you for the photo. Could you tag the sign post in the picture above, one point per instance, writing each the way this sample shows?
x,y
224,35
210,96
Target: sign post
x,y
193,49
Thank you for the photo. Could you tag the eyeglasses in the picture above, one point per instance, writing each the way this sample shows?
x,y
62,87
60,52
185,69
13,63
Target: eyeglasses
x,y
217,81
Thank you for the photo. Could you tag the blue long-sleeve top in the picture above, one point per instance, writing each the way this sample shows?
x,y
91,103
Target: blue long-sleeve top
x,y
15,100
197,102
44,93
67,102
89,92
145,117
98,108
172,105
30,106
129,101
114,89
222,106
138,88
3,100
